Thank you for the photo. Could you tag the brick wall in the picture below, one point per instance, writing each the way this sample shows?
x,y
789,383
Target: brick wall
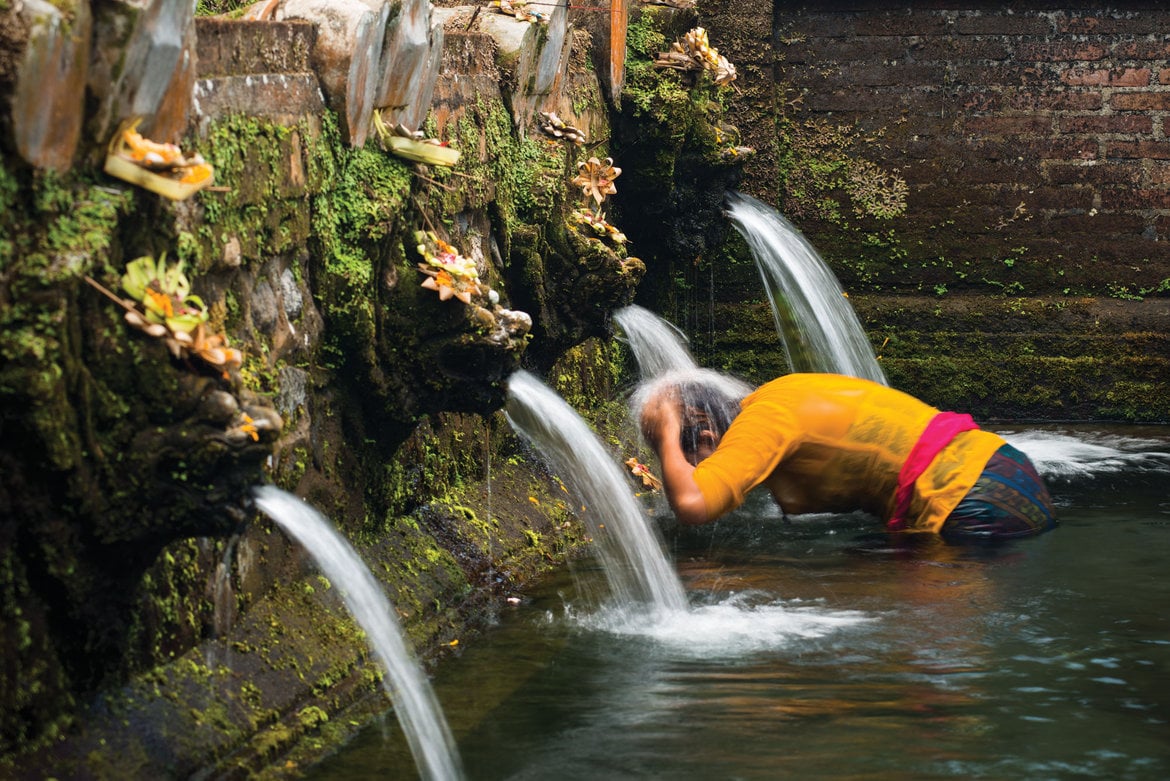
x,y
1036,126
1025,278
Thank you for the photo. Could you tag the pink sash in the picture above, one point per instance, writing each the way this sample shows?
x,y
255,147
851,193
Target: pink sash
x,y
939,432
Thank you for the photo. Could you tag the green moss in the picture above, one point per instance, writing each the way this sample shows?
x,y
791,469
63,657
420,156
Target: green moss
x,y
644,39
363,205
259,208
312,717
59,231
173,609
525,175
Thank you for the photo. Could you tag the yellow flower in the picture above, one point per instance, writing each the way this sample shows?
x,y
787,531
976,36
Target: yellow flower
x,y
249,427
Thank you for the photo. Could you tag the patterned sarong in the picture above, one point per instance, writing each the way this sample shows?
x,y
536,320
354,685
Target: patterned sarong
x,y
1008,500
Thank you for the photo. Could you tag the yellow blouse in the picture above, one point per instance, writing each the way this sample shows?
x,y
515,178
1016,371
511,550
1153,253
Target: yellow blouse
x,y
831,443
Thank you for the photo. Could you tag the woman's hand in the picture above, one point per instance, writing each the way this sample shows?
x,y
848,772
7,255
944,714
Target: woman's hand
x,y
661,421
661,424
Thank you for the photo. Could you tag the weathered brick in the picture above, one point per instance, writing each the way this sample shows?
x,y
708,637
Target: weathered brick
x,y
1007,126
1062,51
1134,255
1102,23
894,75
1093,224
801,22
1060,199
1016,72
956,49
1162,228
900,22
1149,150
1123,77
936,194
1127,198
1015,171
995,23
869,50
1061,148
1140,101
1140,124
1142,49
1094,172
1159,174
1063,107
1024,99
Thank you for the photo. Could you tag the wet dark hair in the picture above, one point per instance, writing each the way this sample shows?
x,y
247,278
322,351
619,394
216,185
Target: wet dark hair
x,y
708,401
704,408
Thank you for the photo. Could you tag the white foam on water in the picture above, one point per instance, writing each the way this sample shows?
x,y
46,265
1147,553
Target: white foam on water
x,y
737,625
1058,454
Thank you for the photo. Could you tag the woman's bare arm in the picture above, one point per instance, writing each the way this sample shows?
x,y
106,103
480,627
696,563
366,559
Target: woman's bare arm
x,y
662,428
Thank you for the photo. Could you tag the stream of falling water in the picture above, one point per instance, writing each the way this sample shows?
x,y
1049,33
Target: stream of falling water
x,y
415,705
658,346
627,543
815,321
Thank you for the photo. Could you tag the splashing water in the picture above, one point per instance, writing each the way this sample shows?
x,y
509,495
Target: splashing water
x,y
629,547
1059,455
658,346
736,625
415,705
663,360
819,329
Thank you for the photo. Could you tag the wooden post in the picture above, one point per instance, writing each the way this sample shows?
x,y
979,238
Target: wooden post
x,y
618,20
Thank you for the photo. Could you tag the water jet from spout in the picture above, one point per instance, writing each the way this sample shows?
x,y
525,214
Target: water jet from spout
x,y
815,321
629,547
415,704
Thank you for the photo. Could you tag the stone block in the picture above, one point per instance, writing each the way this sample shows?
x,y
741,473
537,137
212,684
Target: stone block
x,y
347,55
237,47
48,98
280,97
534,54
142,64
411,58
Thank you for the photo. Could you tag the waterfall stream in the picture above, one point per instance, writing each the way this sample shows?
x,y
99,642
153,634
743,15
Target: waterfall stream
x,y
658,346
415,705
815,321
628,545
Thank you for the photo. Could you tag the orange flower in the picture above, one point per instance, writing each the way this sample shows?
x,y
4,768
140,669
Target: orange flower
x,y
595,178
638,469
197,173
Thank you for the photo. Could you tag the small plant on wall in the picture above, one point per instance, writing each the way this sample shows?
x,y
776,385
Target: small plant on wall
x,y
825,174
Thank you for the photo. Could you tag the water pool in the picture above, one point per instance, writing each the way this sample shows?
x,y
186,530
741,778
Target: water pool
x,y
816,649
